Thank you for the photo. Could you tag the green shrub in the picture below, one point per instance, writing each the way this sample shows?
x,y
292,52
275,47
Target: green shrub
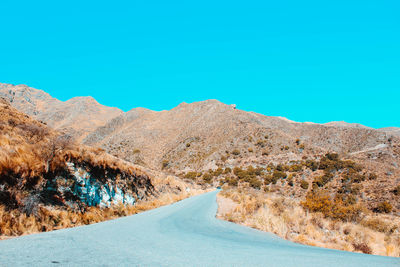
x,y
279,175
207,178
255,183
322,180
232,181
379,224
350,189
282,167
227,170
290,180
337,209
372,176
396,190
285,148
218,172
260,143
165,164
384,207
295,168
236,152
304,184
332,156
363,247
311,164
192,175
248,174
268,179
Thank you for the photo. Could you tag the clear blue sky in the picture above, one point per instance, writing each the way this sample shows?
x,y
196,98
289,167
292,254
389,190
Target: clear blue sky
x,y
306,60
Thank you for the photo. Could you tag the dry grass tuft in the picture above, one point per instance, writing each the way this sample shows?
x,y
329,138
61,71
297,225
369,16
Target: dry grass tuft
x,y
285,217
15,222
31,154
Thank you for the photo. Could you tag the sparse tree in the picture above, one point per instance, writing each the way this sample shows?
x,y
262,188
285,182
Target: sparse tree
x,y
55,146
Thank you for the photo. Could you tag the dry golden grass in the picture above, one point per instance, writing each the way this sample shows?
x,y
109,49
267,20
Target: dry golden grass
x,y
15,223
285,217
31,153
29,150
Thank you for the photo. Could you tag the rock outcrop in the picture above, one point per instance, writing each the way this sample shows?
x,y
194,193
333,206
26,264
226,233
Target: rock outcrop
x,y
40,166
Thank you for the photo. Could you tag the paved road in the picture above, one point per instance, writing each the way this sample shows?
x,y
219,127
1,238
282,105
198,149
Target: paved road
x,y
183,234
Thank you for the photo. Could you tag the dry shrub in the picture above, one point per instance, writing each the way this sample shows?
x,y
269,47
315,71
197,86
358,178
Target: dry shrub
x,y
16,223
379,224
318,201
31,153
384,207
363,247
288,219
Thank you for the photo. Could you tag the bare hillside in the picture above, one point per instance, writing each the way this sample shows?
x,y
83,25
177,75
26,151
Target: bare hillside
x,y
192,136
198,135
77,116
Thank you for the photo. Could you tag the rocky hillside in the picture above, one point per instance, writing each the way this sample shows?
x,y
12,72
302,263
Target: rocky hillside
x,y
392,130
41,167
77,116
201,135
193,136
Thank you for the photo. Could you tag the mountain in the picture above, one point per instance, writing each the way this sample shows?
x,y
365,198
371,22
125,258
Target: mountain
x,y
194,136
199,134
77,116
49,181
207,143
391,130
346,124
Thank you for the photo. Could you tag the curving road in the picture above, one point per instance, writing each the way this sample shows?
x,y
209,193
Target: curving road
x,y
183,234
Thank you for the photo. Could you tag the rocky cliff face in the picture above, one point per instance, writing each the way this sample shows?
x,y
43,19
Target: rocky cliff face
x,y
81,185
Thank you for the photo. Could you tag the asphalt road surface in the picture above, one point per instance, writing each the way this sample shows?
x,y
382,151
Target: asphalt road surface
x,y
183,234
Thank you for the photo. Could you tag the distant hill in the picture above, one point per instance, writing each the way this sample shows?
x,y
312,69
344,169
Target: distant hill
x,y
77,116
391,130
196,135
346,124
190,136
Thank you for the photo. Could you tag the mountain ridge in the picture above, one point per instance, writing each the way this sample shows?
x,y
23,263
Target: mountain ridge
x,y
190,135
42,93
61,115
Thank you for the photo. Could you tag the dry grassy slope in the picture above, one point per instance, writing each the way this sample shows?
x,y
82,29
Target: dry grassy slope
x,y
197,135
77,116
37,161
48,182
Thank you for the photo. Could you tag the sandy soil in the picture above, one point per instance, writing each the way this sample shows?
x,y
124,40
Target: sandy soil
x,y
225,205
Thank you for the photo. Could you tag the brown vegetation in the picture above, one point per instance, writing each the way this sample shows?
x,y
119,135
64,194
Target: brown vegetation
x,y
361,232
32,156
16,222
